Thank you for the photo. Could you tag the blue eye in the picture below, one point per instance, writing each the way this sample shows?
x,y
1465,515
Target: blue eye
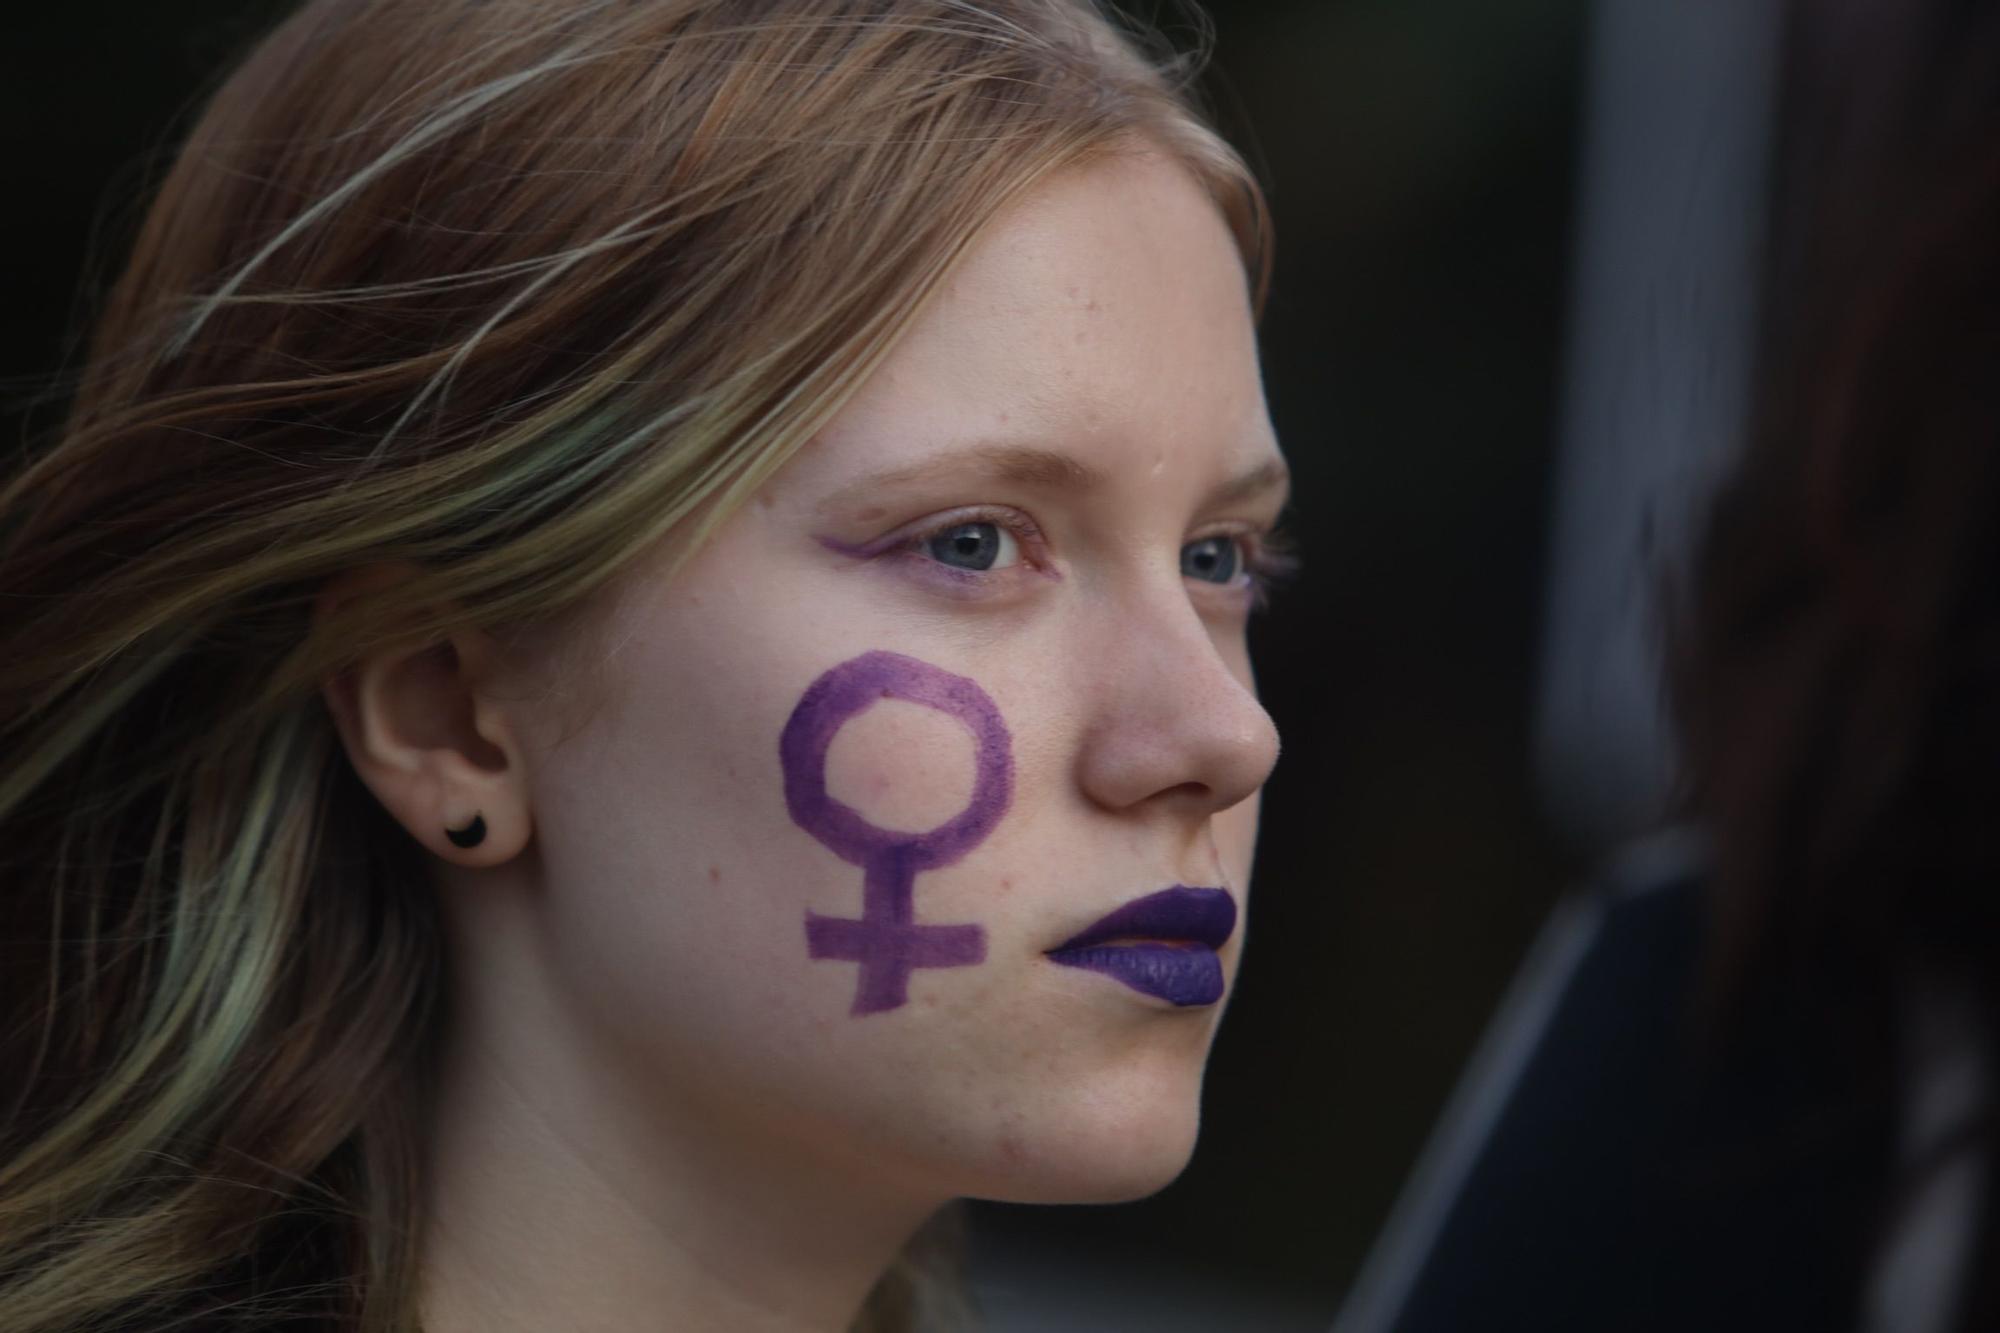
x,y
975,546
1212,559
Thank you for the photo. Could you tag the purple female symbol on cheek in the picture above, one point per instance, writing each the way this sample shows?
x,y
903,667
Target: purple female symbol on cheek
x,y
885,939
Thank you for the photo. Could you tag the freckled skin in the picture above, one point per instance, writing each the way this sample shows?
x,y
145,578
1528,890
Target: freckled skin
x,y
651,954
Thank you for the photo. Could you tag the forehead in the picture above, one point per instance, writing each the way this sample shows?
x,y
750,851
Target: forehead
x,y
1106,312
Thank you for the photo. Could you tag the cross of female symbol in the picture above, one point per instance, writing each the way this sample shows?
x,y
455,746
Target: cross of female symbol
x,y
886,939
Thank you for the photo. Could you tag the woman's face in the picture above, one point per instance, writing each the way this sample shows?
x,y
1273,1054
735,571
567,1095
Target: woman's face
x,y
1002,599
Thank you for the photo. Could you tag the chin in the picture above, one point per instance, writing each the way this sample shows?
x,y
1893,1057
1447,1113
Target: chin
x,y
1112,1147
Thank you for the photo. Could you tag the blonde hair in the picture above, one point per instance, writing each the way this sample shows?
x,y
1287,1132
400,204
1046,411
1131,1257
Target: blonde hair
x,y
509,290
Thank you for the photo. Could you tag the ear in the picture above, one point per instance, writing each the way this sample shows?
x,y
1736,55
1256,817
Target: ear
x,y
426,734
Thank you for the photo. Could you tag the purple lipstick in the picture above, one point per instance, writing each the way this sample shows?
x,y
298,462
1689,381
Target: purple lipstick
x,y
1162,944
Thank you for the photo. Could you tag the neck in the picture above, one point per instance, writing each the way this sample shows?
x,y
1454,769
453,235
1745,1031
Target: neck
x,y
563,1192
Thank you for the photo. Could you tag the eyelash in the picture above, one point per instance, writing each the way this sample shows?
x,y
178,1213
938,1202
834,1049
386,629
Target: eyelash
x,y
1269,556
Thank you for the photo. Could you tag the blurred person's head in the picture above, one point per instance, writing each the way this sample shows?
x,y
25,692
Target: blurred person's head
x,y
1837,650
1839,665
659,571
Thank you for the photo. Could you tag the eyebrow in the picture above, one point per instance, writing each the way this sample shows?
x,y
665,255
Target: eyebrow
x,y
1041,469
1269,475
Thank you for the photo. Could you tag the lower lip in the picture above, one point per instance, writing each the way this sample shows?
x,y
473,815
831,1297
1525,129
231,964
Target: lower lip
x,y
1182,974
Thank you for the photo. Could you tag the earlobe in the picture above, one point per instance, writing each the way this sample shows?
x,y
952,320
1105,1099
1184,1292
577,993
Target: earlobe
x,y
430,740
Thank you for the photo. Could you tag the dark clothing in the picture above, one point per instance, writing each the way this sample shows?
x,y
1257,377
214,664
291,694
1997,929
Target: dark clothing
x,y
1634,1182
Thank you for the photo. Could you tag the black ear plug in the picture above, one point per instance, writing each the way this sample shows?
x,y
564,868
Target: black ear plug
x,y
469,836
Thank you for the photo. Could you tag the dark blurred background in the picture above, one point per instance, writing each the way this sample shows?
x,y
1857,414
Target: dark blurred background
x,y
1422,158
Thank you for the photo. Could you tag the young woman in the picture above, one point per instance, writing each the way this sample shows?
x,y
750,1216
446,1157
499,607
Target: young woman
x,y
629,674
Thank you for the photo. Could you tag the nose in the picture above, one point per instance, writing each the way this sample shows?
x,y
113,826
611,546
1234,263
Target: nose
x,y
1175,720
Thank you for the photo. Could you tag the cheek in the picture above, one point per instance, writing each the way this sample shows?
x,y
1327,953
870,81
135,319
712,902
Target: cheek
x,y
902,767
659,852
669,912
681,890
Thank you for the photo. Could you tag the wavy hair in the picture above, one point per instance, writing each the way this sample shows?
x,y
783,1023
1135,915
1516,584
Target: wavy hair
x,y
509,290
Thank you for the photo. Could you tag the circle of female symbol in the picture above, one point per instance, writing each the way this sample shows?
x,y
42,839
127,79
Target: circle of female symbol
x,y
886,940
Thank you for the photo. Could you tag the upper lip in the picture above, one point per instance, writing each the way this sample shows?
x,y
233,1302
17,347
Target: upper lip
x,y
1202,916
